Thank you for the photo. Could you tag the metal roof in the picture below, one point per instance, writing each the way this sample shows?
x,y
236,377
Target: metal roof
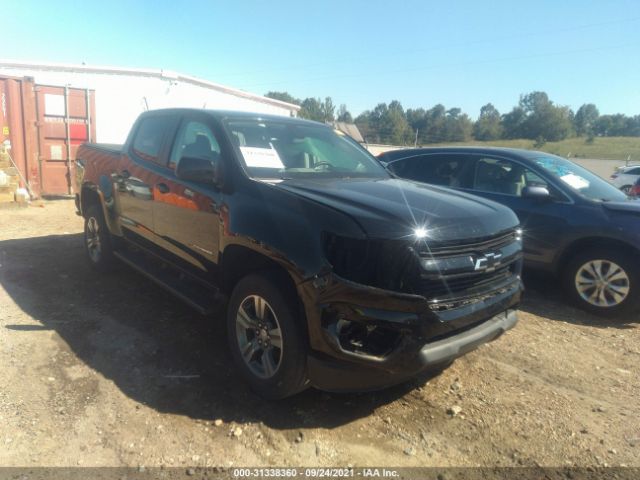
x,y
350,129
141,72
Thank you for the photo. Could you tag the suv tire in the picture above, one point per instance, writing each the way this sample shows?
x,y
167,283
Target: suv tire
x,y
265,337
603,281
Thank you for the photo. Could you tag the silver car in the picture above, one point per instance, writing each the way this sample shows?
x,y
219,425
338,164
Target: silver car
x,y
625,177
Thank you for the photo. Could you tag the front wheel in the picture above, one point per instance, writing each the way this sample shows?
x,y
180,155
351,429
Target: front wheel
x,y
265,336
604,281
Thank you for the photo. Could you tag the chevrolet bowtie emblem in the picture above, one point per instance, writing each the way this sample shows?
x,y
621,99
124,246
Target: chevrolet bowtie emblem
x,y
488,261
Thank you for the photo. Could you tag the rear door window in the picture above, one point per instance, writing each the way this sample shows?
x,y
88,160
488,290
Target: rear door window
x,y
448,170
151,135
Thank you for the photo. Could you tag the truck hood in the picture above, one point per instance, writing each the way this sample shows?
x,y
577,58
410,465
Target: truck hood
x,y
393,208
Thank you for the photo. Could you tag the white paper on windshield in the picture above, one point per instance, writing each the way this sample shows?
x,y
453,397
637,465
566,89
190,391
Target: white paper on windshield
x,y
575,181
261,157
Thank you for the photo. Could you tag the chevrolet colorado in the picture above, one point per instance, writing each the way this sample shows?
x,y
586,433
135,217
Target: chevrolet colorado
x,y
336,274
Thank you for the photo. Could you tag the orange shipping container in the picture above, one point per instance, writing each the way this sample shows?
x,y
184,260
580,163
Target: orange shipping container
x,y
42,127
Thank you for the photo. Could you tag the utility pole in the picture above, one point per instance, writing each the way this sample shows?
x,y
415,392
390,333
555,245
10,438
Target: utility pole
x,y
415,143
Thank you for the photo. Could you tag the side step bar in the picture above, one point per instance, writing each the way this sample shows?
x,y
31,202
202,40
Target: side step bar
x,y
191,291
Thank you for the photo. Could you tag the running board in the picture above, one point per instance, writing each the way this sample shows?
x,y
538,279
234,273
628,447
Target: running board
x,y
191,291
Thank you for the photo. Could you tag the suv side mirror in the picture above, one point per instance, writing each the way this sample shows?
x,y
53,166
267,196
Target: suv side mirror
x,y
536,193
198,169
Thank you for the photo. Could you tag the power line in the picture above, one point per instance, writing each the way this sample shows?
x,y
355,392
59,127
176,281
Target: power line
x,y
448,45
449,65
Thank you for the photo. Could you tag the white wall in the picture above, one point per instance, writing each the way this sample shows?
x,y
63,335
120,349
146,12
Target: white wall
x,y
121,98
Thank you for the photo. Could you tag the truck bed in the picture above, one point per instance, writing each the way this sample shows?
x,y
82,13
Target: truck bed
x,y
105,147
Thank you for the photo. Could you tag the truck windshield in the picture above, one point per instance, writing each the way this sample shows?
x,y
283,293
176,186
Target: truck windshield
x,y
580,179
281,150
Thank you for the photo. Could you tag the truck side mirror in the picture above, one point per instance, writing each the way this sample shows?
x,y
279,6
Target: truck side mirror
x,y
198,169
536,193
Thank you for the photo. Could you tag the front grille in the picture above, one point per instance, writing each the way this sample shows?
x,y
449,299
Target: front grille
x,y
454,272
466,285
466,246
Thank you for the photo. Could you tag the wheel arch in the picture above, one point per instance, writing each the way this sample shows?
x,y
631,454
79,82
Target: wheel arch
x,y
238,261
577,246
89,196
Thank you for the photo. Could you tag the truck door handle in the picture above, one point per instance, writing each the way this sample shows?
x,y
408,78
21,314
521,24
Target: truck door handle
x,y
162,187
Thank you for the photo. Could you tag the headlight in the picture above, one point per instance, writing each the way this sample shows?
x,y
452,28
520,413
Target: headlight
x,y
421,233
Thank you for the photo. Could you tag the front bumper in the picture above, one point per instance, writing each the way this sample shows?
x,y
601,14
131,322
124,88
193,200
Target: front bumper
x,y
413,337
333,375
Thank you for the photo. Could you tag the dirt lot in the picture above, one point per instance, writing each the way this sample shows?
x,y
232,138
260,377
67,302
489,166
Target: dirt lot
x,y
112,371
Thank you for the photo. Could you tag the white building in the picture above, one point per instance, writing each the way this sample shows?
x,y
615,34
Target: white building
x,y
121,94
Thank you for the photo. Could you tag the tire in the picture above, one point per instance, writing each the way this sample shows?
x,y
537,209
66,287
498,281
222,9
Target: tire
x,y
604,281
626,189
97,240
268,348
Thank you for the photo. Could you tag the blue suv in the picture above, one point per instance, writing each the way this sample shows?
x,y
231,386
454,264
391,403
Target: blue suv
x,y
575,225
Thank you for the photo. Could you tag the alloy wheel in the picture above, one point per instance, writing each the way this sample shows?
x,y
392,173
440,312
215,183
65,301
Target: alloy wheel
x,y
259,336
94,246
602,283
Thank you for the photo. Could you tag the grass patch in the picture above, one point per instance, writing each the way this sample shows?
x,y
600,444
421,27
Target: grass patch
x,y
605,148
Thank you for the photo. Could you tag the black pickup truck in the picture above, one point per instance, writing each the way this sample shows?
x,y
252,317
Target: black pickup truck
x,y
335,273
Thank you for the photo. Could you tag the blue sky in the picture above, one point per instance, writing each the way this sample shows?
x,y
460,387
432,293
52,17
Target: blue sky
x,y
459,53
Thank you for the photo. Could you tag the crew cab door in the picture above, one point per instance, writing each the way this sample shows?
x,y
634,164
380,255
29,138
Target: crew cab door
x,y
543,220
137,174
187,216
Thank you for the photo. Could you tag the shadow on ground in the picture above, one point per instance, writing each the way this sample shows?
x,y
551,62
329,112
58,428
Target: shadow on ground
x,y
544,297
155,349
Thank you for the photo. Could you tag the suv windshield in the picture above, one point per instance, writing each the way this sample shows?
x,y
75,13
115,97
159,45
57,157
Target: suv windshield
x,y
580,179
277,150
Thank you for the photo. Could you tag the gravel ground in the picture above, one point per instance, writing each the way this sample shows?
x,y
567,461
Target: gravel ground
x,y
111,371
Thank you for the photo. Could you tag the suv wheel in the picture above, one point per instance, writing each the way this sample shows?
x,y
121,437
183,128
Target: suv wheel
x,y
264,336
604,281
97,239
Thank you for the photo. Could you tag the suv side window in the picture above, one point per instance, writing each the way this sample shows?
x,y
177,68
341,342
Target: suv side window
x,y
448,170
496,175
634,171
194,139
150,136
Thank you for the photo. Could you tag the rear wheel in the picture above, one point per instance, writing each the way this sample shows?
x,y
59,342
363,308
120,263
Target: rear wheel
x,y
265,337
97,239
626,189
604,281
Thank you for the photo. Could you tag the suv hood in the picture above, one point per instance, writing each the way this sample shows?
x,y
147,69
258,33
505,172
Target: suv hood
x,y
630,206
393,208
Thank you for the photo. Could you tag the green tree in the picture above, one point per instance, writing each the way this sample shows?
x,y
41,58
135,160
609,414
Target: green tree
x,y
344,115
513,123
536,117
312,109
329,110
317,109
457,126
363,121
396,123
585,119
617,125
435,119
385,124
488,126
283,97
